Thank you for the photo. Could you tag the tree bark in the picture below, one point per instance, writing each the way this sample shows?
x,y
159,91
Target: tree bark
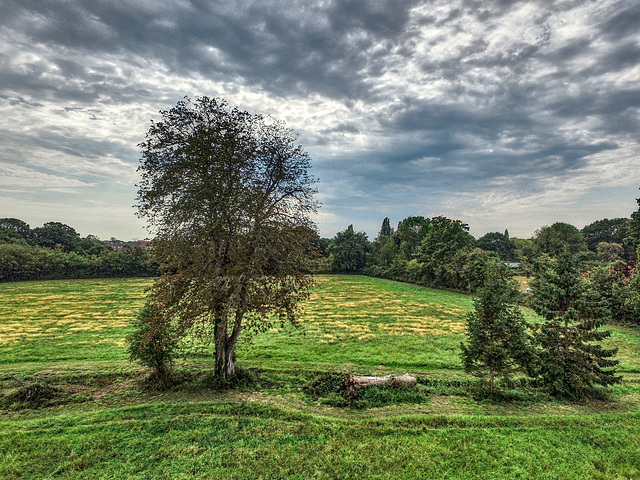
x,y
223,351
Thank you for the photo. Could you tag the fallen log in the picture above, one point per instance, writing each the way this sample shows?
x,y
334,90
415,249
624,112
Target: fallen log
x,y
367,381
353,383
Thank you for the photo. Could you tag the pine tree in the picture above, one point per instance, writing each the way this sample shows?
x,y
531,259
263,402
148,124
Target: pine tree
x,y
498,345
571,362
385,230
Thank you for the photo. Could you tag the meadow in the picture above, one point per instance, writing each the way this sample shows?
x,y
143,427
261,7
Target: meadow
x,y
102,422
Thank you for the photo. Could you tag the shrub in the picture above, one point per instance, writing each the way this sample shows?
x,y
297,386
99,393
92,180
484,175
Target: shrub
x,y
153,342
32,393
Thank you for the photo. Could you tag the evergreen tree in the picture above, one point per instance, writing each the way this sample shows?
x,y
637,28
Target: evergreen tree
x,y
571,361
385,230
384,247
497,341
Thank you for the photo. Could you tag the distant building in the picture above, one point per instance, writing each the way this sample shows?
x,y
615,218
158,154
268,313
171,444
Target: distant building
x,y
117,245
114,245
144,244
512,264
141,244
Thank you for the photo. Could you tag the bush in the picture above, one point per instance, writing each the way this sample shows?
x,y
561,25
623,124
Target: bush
x,y
27,262
329,388
32,393
153,342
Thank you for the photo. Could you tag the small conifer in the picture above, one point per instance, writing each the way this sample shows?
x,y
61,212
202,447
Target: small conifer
x,y
571,361
498,345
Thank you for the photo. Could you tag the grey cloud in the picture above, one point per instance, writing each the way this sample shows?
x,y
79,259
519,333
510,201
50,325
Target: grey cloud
x,y
623,21
435,102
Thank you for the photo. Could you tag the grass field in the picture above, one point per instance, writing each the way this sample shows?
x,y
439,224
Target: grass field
x,y
102,423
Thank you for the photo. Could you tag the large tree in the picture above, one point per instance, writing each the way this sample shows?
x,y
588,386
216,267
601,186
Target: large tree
x,y
228,195
557,238
409,234
348,251
384,248
443,240
15,225
633,230
609,230
57,235
499,243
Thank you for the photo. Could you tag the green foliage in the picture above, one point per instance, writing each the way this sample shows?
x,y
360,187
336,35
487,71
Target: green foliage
x,y
31,262
633,230
328,388
24,262
444,238
571,362
32,393
384,248
466,270
559,238
57,235
436,252
14,230
383,395
348,251
385,230
153,341
607,230
499,243
498,345
609,252
409,235
614,283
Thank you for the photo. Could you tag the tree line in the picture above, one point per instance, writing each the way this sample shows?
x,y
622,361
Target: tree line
x,y
57,251
440,252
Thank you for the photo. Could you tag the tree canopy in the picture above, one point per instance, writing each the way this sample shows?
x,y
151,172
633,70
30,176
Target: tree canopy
x,y
348,251
499,243
609,230
558,238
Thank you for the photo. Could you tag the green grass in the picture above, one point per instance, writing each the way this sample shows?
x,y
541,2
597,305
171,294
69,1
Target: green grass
x,y
67,320
69,334
368,324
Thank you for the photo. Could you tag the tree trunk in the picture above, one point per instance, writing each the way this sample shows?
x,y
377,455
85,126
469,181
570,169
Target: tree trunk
x,y
223,351
226,345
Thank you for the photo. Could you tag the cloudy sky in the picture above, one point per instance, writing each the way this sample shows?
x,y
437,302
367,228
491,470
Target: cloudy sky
x,y
504,114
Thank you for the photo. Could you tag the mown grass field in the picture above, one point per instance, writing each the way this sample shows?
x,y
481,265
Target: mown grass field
x,y
104,424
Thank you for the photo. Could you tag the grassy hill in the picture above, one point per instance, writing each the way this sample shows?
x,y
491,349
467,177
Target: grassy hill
x,y
97,420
